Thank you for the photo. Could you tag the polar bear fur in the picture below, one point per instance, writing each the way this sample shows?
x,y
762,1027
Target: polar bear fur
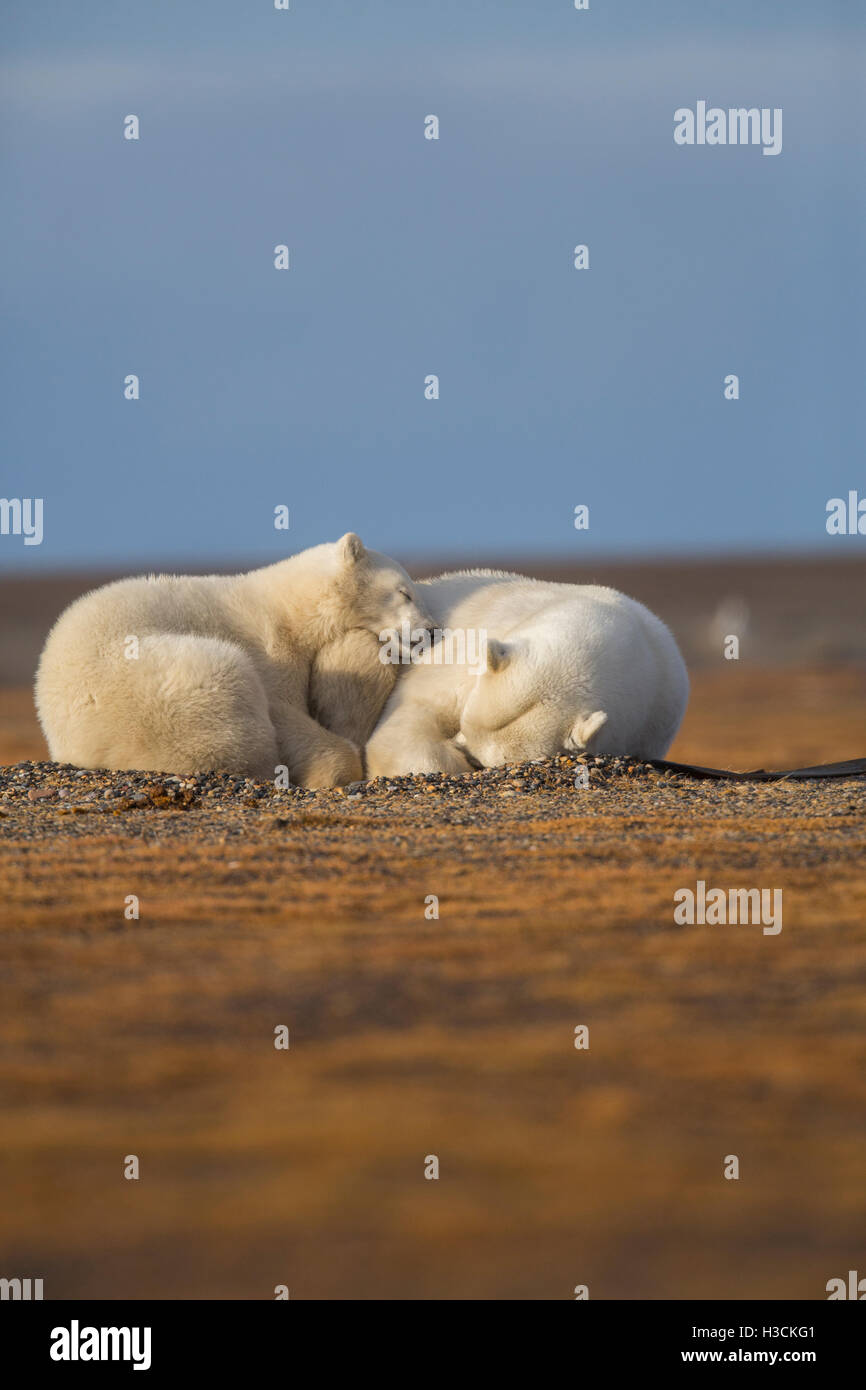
x,y
569,667
350,685
223,667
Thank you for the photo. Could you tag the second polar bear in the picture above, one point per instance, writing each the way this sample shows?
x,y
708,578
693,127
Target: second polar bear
x,y
569,667
199,673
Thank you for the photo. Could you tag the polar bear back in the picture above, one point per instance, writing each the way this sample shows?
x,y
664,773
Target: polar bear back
x,y
600,650
149,673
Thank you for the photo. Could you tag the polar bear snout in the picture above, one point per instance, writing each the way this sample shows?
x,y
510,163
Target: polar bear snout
x,y
385,600
542,731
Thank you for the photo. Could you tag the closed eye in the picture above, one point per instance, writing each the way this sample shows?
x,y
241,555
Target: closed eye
x,y
513,718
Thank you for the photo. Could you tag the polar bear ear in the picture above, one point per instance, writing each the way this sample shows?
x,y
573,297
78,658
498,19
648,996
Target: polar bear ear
x,y
585,730
498,654
350,549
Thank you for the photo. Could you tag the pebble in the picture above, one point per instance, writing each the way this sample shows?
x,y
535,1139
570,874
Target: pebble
x,y
625,786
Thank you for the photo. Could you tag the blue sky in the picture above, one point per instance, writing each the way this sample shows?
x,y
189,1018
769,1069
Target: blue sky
x,y
411,257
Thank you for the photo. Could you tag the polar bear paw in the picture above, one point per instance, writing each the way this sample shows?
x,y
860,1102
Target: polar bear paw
x,y
333,766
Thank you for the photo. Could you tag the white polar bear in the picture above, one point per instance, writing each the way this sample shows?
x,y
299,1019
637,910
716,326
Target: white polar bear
x,y
568,666
198,673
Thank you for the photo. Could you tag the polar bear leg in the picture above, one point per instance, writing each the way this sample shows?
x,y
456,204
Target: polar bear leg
x,y
184,704
410,738
314,756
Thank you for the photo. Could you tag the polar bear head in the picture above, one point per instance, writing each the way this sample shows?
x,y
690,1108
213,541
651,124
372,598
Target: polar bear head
x,y
527,703
375,593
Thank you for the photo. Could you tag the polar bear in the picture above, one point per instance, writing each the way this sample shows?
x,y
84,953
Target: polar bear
x,y
568,667
197,673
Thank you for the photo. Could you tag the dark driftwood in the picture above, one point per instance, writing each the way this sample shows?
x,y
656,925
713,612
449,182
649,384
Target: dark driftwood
x,y
854,767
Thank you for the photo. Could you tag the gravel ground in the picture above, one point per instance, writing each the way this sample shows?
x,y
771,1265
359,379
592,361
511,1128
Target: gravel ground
x,y
44,800
413,1035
